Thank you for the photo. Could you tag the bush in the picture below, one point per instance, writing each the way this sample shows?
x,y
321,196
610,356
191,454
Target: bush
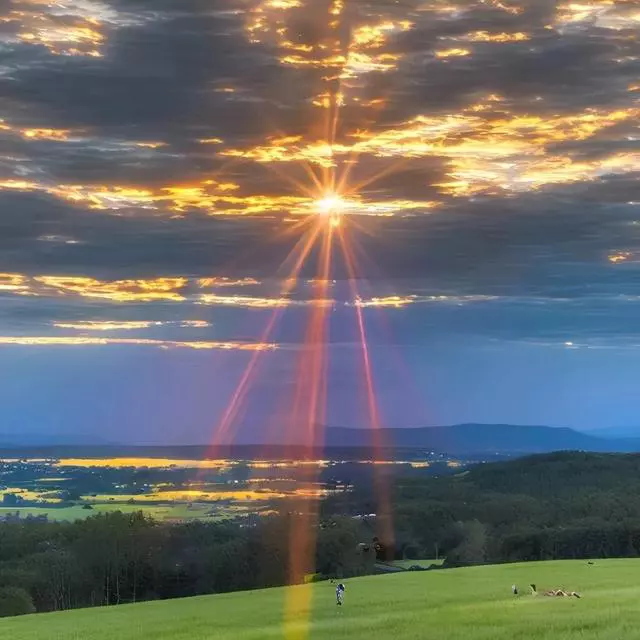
x,y
15,601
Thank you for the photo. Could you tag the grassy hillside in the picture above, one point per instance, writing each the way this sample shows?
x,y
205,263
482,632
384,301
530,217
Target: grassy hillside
x,y
458,604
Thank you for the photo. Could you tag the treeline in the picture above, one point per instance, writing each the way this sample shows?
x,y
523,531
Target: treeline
x,y
117,558
552,506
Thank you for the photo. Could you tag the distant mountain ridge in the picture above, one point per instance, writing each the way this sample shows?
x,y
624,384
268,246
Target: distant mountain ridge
x,y
481,438
487,440
615,432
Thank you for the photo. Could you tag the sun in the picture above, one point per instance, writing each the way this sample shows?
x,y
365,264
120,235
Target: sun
x,y
331,206
331,203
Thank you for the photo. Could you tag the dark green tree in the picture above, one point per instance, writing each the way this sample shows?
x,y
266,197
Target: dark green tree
x,y
15,601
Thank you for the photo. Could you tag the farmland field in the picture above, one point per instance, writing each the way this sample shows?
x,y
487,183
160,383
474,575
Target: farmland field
x,y
177,511
456,604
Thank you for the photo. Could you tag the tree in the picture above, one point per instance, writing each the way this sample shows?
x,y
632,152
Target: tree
x,y
240,472
473,548
15,601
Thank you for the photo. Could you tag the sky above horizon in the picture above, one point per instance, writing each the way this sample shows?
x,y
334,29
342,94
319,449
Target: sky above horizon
x,y
208,206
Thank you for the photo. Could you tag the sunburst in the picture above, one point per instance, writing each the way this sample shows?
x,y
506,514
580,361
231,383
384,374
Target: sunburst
x,y
331,206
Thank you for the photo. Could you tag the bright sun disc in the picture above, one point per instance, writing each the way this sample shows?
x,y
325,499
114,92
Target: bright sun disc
x,y
332,207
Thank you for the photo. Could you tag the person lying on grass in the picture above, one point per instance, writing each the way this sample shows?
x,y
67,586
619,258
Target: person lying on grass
x,y
555,592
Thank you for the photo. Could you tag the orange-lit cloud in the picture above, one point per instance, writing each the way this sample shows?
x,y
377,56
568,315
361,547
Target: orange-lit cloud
x,y
110,325
242,301
188,291
604,14
96,325
452,53
210,197
336,207
65,40
205,283
292,149
128,290
502,36
470,177
399,301
151,144
363,53
39,133
75,28
80,33
620,256
327,100
389,301
117,290
508,7
15,282
259,302
215,198
36,133
506,152
163,344
46,134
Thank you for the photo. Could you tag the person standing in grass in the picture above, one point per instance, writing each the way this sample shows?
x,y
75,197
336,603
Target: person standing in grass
x,y
514,589
340,594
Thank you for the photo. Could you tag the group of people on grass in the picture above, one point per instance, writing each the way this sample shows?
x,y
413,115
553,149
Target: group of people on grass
x,y
551,592
340,589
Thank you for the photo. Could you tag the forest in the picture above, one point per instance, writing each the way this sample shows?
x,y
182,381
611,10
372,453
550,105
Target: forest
x,y
552,506
118,558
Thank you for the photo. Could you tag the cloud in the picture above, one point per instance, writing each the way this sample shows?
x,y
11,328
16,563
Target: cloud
x,y
82,341
158,163
132,325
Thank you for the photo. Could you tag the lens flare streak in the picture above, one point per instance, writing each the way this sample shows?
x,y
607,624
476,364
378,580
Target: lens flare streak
x,y
225,426
381,488
308,411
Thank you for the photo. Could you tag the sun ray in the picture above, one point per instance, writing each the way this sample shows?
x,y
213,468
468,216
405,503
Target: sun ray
x,y
226,424
381,486
307,418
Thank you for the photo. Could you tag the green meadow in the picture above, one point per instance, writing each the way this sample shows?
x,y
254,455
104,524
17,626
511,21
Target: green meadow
x,y
455,604
177,511
169,511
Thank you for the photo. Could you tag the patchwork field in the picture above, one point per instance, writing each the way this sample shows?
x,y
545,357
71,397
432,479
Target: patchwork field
x,y
457,604
178,511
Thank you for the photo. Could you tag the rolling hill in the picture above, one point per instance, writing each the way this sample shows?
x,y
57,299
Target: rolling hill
x,y
456,604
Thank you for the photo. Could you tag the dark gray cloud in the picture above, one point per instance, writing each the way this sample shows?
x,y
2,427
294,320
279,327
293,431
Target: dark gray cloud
x,y
178,73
